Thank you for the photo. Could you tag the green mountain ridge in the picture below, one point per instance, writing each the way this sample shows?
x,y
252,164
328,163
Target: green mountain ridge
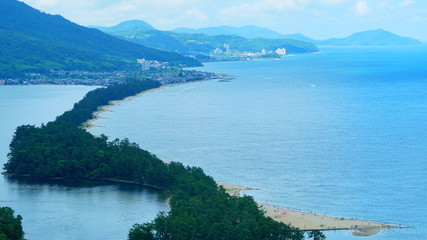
x,y
248,31
127,27
246,38
196,43
32,41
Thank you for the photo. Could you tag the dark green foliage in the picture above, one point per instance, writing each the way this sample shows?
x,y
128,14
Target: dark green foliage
x,y
32,41
316,235
10,226
83,110
200,209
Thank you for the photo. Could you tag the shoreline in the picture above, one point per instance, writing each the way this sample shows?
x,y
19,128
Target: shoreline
x,y
106,108
310,221
89,124
306,221
302,220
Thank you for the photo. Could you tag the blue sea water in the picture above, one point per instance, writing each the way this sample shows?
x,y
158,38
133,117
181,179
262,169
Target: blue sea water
x,y
66,210
342,132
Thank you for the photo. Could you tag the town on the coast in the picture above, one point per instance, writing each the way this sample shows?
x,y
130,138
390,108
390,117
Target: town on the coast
x,y
163,72
155,70
227,53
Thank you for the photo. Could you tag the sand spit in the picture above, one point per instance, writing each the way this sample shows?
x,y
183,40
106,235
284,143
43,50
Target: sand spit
x,y
98,114
309,221
234,190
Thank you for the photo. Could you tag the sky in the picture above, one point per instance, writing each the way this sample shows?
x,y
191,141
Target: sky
x,y
319,19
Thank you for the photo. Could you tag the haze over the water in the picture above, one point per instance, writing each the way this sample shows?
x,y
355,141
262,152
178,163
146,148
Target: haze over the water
x,y
319,19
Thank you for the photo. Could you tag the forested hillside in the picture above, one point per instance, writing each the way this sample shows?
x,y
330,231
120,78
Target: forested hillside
x,y
32,41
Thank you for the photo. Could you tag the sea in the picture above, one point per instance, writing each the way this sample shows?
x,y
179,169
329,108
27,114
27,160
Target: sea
x,y
342,132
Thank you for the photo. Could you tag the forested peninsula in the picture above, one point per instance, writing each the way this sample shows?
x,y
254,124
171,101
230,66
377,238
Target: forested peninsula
x,y
200,209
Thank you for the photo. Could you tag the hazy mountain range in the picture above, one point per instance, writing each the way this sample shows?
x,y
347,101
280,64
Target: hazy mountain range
x,y
249,31
33,41
247,38
196,43
377,37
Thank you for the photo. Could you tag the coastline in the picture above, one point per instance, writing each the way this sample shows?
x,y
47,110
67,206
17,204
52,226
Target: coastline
x,y
106,108
303,220
306,221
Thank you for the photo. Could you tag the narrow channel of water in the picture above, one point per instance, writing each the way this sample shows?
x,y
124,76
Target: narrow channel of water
x,y
66,210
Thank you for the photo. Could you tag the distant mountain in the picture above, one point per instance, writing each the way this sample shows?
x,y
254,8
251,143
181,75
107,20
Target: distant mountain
x,y
32,41
299,37
249,31
377,37
127,27
200,43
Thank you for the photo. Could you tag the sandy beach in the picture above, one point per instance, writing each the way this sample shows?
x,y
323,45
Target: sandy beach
x,y
98,114
234,190
106,108
311,221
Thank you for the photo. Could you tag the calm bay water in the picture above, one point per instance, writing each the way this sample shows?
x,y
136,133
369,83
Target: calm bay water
x,y
341,133
66,210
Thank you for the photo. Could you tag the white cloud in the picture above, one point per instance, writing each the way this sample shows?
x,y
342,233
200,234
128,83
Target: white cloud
x,y
406,3
362,8
333,2
280,5
259,8
45,3
195,14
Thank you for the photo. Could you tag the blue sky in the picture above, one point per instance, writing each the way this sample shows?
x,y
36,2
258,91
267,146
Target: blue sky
x,y
319,19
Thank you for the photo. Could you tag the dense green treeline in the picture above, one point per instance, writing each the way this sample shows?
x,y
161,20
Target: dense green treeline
x,y
83,110
10,226
200,209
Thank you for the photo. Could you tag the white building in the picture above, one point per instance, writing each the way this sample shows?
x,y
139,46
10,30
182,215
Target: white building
x,y
218,51
144,63
281,51
227,48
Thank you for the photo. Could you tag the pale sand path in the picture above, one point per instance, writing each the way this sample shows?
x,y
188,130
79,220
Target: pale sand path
x,y
311,221
106,108
98,114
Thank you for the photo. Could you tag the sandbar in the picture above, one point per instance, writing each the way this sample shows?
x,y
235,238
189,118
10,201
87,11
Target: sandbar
x,y
310,221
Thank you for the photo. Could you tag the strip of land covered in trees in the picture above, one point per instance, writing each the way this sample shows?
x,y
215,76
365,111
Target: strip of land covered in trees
x,y
200,209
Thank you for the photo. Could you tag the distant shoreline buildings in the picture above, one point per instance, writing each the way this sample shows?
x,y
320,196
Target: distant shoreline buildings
x,y
151,64
226,53
281,51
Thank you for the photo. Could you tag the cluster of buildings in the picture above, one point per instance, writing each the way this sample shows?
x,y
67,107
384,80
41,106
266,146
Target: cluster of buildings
x,y
183,76
166,76
220,54
61,77
152,64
